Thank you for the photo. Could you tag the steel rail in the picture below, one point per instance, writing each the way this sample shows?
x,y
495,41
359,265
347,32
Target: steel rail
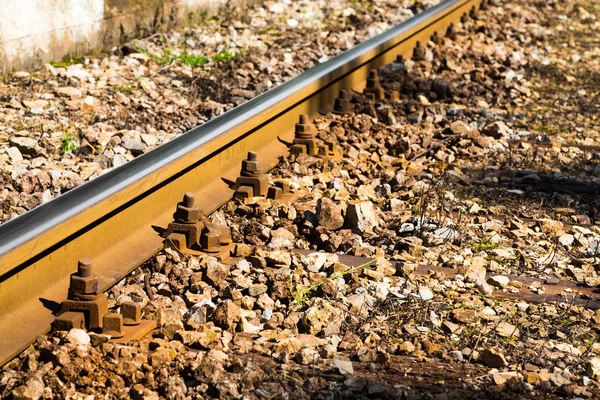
x,y
113,219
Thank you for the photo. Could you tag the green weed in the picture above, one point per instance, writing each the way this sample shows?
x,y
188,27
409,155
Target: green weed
x,y
193,60
124,88
168,57
225,55
303,295
69,143
485,246
272,31
544,129
67,60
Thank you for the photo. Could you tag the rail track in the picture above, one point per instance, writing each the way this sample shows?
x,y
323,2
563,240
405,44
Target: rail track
x,y
114,219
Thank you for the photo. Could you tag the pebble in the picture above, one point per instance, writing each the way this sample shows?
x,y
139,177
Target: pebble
x,y
360,217
425,293
493,358
78,336
459,127
499,281
25,145
329,214
344,367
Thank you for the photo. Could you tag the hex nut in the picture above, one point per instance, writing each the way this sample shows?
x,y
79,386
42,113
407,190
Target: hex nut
x,y
83,285
186,214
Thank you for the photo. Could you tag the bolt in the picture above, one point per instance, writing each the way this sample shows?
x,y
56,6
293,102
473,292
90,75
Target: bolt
x,y
343,103
131,312
186,211
451,32
473,12
435,38
274,193
393,95
284,186
250,166
210,241
84,268
374,86
419,52
401,64
83,285
189,200
112,324
304,137
304,129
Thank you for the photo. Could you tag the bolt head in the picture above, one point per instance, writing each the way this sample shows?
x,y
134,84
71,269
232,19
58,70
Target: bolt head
x,y
274,193
131,312
112,324
210,242
284,186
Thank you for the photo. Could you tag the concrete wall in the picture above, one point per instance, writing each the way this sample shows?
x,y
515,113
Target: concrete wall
x,y
33,32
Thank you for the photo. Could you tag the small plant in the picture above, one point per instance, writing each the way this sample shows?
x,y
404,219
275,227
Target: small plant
x,y
544,129
124,88
485,246
193,60
225,55
168,57
67,60
302,295
271,31
69,143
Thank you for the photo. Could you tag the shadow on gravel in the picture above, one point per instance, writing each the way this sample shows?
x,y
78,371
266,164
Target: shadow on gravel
x,y
400,378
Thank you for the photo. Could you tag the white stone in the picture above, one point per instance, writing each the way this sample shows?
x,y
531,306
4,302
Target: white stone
x,y
78,336
567,348
361,217
484,288
150,140
345,367
425,293
423,100
281,238
243,265
315,261
277,8
118,160
15,154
